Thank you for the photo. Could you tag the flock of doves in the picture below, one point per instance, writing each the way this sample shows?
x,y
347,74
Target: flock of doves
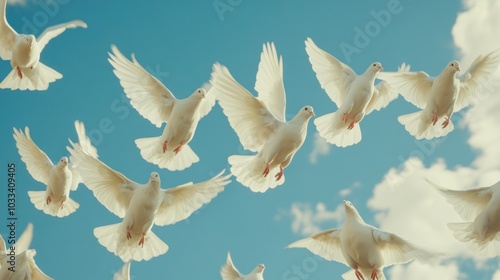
x,y
262,128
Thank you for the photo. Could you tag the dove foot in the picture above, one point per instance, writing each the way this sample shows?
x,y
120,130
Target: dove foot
x,y
141,242
48,200
374,274
279,174
344,117
358,274
128,234
266,170
351,125
19,73
164,147
434,119
61,205
178,149
446,122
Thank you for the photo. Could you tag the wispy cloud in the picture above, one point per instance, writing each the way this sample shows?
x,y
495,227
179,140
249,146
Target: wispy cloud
x,y
320,148
307,220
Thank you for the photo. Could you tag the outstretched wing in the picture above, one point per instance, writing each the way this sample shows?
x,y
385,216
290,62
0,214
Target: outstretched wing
x,y
37,162
476,77
229,271
7,34
334,76
147,94
396,250
86,146
180,202
269,82
248,116
415,87
325,244
54,31
467,203
111,188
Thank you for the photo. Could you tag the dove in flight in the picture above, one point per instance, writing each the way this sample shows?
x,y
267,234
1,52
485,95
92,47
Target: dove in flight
x,y
439,97
140,206
156,103
260,122
60,178
230,272
24,266
480,208
23,51
355,96
364,248
124,273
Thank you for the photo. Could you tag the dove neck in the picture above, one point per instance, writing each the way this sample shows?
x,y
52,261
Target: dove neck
x,y
300,120
353,216
370,75
153,188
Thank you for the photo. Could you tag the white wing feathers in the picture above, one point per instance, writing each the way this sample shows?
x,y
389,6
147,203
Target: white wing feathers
x,y
229,271
147,94
248,116
37,162
111,188
53,31
415,87
384,93
325,244
9,35
269,82
467,203
334,76
180,202
478,74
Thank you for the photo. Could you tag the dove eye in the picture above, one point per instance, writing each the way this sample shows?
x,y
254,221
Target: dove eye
x,y
305,108
452,64
374,64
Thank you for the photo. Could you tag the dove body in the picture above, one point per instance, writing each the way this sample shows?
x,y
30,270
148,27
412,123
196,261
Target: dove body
x,y
60,181
25,53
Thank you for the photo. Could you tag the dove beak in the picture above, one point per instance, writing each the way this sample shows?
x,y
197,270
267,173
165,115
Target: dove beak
x,y
312,113
381,68
203,95
458,68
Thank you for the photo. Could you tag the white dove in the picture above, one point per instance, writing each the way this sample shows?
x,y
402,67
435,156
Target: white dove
x,y
260,122
24,51
439,97
364,248
60,179
230,272
355,96
141,206
481,209
124,273
24,266
157,104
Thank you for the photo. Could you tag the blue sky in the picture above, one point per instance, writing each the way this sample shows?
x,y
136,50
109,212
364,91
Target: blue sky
x,y
178,42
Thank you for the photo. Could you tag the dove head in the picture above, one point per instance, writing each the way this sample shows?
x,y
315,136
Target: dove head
x,y
199,93
351,211
307,111
260,268
375,67
155,177
454,66
27,40
63,162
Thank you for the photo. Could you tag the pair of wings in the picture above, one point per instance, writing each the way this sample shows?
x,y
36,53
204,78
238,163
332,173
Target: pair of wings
x,y
22,246
39,164
152,99
416,86
9,35
229,271
468,203
336,79
393,248
115,191
254,119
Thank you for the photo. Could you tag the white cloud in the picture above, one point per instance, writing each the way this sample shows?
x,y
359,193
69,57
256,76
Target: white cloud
x,y
418,271
307,220
320,148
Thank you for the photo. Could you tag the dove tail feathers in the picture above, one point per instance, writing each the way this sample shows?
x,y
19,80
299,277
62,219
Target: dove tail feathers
x,y
335,131
351,274
487,246
248,170
37,78
114,238
419,125
39,200
152,151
